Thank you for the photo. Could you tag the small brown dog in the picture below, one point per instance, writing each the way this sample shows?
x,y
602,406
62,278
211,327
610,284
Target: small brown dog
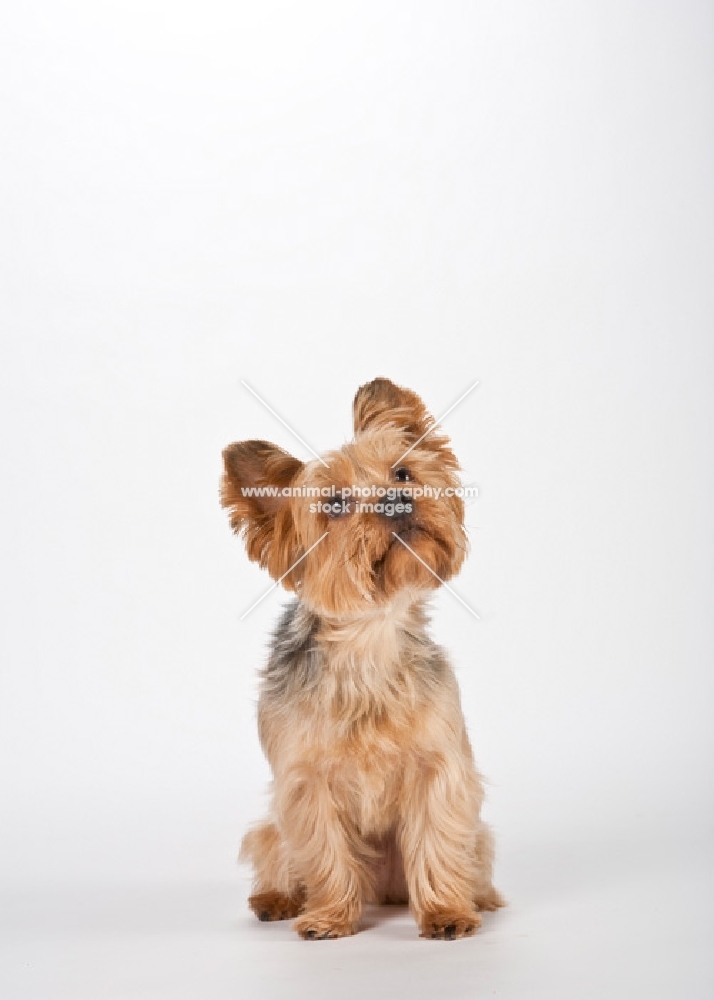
x,y
376,797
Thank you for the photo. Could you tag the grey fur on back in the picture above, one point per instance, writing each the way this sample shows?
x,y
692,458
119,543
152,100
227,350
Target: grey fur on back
x,y
295,660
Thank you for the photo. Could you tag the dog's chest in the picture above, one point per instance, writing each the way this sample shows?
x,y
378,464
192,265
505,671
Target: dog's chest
x,y
365,772
347,706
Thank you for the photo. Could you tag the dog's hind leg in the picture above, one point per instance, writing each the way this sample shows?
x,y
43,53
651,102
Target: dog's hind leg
x,y
486,896
277,893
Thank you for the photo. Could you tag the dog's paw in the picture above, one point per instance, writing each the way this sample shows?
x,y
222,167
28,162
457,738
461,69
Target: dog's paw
x,y
322,926
447,925
275,905
489,899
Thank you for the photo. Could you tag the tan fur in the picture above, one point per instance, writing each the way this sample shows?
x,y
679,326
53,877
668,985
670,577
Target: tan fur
x,y
376,797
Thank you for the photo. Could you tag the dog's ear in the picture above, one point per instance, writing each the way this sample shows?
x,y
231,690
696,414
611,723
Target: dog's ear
x,y
380,403
263,518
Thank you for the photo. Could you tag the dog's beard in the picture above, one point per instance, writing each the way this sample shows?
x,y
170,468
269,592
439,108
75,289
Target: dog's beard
x,y
416,557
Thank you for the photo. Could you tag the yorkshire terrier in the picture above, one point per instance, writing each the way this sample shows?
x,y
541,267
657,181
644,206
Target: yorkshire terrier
x,y
376,797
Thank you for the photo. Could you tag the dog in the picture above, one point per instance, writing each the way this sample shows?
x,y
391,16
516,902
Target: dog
x,y
376,797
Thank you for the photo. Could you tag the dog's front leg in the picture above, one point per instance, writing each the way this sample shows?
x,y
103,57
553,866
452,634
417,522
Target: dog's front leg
x,y
326,852
437,834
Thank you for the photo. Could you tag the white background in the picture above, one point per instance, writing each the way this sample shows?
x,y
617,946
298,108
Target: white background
x,y
305,196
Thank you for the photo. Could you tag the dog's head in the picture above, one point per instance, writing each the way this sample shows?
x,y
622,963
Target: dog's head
x,y
344,552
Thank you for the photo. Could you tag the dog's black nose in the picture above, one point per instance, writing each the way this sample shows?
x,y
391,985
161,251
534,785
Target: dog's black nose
x,y
401,506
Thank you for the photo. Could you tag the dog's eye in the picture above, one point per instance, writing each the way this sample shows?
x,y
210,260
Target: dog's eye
x,y
402,474
338,507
